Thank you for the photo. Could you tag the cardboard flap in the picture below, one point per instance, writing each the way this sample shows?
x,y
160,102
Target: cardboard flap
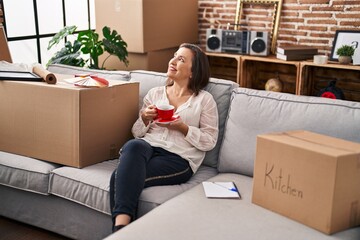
x,y
4,48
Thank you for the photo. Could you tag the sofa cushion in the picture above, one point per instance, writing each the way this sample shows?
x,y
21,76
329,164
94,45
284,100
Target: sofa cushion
x,y
193,216
254,112
220,89
25,173
89,186
147,80
154,196
72,70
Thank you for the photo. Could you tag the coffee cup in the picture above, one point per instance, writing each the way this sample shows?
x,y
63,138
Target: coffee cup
x,y
320,59
165,111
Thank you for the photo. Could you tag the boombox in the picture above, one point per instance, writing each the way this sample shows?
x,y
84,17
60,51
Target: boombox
x,y
219,40
235,41
241,42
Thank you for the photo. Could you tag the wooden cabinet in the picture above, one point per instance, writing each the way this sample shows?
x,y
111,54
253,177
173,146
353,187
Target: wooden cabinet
x,y
298,77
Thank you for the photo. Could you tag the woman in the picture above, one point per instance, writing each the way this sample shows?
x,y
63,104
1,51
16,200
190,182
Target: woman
x,y
167,154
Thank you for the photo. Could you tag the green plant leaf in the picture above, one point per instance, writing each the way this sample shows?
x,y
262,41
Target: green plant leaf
x,y
115,45
69,55
91,45
66,31
345,50
88,43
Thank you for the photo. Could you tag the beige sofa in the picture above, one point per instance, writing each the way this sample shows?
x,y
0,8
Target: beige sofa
x,y
75,202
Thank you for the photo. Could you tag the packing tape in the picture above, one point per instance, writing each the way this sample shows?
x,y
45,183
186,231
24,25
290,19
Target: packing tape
x,y
44,74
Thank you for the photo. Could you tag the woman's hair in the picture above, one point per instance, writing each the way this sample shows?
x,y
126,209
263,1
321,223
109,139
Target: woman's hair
x,y
200,68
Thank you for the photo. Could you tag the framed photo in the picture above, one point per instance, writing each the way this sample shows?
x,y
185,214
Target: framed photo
x,y
351,38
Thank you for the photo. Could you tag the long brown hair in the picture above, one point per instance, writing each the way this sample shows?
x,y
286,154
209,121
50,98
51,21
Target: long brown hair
x,y
200,68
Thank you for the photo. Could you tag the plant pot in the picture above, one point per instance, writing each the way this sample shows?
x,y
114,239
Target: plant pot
x,y
344,59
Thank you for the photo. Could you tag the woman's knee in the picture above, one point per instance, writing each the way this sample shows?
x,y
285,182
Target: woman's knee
x,y
135,145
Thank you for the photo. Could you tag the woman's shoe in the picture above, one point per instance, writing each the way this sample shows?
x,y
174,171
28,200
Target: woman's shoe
x,y
117,228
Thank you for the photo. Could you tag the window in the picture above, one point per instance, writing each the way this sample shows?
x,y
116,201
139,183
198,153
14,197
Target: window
x,y
30,27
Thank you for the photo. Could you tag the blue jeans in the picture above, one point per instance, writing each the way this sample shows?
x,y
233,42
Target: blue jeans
x,y
141,166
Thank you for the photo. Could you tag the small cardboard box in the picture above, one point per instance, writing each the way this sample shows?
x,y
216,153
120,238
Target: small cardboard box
x,y
66,124
308,177
149,25
152,61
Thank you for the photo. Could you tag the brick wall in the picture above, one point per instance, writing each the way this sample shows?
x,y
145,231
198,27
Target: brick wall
x,y
1,15
306,22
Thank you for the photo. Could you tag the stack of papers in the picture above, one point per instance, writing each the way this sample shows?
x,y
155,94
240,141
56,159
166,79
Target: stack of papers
x,y
221,190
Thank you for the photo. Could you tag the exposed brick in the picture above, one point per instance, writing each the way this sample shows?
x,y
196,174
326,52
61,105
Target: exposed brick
x,y
295,8
350,23
353,9
322,21
287,26
298,33
347,15
289,14
328,9
293,20
314,1
312,28
316,15
348,2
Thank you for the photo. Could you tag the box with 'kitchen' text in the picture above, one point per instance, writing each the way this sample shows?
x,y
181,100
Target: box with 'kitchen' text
x,y
309,177
65,124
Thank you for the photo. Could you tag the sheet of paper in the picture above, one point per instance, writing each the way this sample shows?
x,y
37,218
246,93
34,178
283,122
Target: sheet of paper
x,y
221,190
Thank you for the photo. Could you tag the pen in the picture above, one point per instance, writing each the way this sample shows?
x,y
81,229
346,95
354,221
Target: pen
x,y
234,189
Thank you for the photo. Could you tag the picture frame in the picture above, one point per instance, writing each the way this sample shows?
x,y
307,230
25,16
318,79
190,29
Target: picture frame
x,y
19,76
345,37
277,4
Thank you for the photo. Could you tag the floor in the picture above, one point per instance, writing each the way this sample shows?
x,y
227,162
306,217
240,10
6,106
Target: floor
x,y
13,230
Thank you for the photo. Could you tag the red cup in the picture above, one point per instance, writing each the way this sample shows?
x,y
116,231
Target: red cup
x,y
165,112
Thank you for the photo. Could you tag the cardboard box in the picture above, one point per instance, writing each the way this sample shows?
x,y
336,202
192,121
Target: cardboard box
x,y
152,61
4,48
149,25
308,177
66,124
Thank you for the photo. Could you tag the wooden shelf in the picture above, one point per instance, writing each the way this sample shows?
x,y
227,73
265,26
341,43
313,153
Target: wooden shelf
x,y
255,71
314,77
225,66
298,77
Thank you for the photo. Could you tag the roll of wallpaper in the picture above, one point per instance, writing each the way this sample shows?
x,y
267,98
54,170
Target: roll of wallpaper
x,y
44,74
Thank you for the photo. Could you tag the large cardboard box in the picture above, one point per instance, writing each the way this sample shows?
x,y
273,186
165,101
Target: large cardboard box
x,y
152,61
308,177
66,124
149,25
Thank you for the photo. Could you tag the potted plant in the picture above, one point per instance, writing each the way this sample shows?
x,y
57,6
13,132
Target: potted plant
x,y
345,53
87,44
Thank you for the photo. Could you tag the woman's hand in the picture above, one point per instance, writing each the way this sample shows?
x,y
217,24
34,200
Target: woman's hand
x,y
177,125
149,114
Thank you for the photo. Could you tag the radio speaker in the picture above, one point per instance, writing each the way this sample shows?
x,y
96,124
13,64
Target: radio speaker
x,y
259,43
213,40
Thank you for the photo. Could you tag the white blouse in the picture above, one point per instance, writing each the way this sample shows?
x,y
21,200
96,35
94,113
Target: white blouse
x,y
199,113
